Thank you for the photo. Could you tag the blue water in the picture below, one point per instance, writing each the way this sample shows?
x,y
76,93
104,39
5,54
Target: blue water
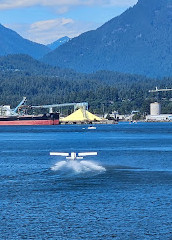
x,y
124,193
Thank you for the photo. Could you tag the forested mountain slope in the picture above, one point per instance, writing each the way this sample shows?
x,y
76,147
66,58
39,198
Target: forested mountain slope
x,y
13,43
138,41
20,75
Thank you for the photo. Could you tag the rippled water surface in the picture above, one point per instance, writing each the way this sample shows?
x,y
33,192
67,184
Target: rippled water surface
x,y
124,193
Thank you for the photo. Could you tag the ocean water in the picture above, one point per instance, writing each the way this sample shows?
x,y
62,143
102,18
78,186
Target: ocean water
x,y
123,193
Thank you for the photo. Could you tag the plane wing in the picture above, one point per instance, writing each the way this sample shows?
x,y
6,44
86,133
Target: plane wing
x,y
59,154
87,154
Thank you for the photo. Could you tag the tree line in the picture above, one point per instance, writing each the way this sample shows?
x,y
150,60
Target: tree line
x,y
105,91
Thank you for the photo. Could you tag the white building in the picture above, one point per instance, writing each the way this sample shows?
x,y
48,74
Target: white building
x,y
159,118
155,114
5,110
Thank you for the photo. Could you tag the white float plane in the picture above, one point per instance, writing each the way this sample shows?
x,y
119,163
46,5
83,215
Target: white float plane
x,y
73,155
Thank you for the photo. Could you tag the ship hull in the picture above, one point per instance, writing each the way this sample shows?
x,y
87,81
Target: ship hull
x,y
29,122
46,119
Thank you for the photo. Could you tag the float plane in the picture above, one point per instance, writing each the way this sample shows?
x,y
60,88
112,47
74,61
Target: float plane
x,y
73,155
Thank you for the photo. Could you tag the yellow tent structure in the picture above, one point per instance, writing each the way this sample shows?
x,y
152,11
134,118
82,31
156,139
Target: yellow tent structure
x,y
81,115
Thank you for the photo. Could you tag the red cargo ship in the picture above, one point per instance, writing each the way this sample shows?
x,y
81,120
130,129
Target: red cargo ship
x,y
19,116
45,119
23,114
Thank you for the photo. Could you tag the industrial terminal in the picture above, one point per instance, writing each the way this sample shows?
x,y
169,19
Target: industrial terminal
x,y
24,114
155,109
155,114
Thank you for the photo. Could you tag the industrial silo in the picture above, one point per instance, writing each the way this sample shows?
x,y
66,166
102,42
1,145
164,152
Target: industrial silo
x,y
155,108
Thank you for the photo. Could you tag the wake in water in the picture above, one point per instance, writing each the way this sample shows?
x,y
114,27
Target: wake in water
x,y
78,167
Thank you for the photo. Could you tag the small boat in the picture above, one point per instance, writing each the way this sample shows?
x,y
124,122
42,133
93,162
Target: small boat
x,y
91,127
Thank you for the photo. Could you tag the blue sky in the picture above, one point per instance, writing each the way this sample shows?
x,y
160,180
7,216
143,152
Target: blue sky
x,y
44,21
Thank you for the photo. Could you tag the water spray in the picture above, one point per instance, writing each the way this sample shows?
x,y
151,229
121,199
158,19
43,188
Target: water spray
x,y
74,161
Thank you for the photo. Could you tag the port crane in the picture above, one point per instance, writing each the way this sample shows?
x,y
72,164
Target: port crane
x,y
160,90
21,105
83,105
13,112
156,90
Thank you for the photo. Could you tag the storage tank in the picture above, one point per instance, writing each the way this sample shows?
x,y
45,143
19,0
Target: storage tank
x,y
155,108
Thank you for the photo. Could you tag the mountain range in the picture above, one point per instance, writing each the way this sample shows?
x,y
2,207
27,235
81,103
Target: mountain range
x,y
137,41
13,43
58,43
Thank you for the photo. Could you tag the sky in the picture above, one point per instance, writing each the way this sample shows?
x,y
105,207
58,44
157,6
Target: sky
x,y
45,21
